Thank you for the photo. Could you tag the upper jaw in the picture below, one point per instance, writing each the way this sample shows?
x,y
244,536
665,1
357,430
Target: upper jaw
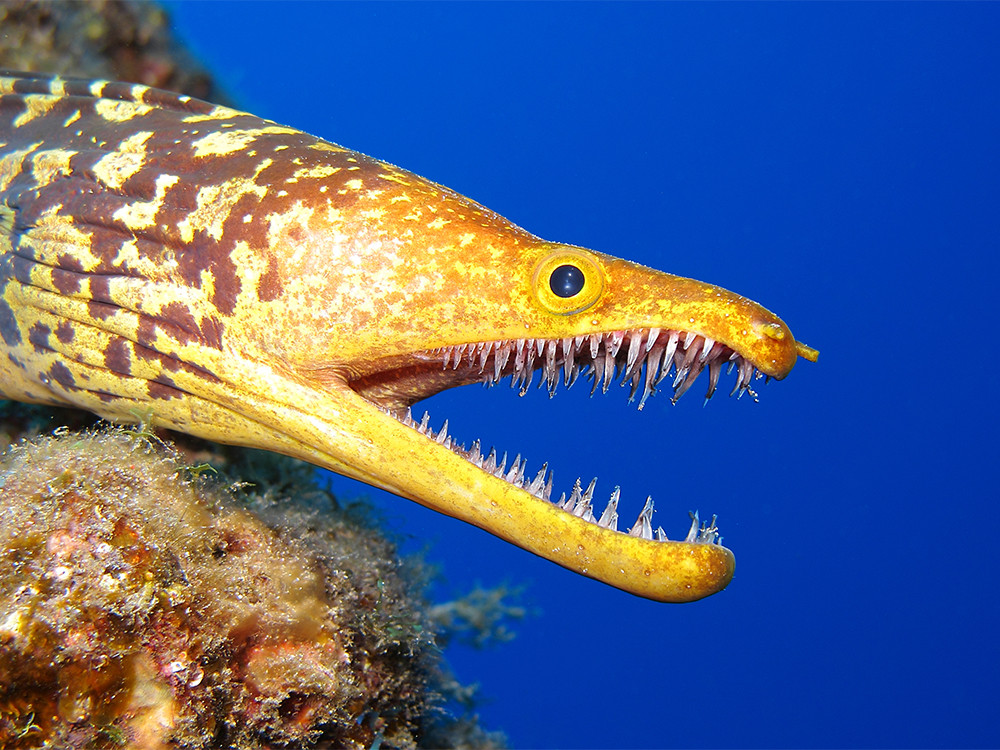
x,y
643,358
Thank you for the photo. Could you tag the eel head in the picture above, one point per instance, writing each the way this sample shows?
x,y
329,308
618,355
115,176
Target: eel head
x,y
527,310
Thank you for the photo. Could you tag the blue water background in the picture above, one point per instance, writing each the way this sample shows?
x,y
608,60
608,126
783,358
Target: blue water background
x,y
840,164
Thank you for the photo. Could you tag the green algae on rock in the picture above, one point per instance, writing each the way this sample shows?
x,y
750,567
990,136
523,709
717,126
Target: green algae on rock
x,y
140,606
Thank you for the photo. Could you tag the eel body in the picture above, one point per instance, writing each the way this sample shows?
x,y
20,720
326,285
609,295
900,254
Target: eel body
x,y
163,258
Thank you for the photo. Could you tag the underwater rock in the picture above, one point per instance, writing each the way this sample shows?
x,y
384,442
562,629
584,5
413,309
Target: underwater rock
x,y
141,606
120,40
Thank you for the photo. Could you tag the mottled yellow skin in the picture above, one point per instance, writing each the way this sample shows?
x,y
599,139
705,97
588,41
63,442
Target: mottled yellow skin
x,y
248,283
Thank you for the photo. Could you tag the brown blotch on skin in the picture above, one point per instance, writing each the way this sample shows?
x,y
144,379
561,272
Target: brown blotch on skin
x,y
270,286
100,289
203,255
67,282
162,391
65,332
166,362
62,375
179,315
117,357
101,306
39,337
10,332
107,236
146,337
69,262
101,311
176,318
211,332
21,269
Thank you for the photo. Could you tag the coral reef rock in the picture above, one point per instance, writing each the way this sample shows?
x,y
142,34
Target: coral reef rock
x,y
121,40
141,605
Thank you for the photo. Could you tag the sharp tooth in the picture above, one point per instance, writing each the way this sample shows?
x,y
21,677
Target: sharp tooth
x,y
484,355
573,375
540,346
502,466
702,533
714,370
692,535
609,518
550,352
688,338
648,387
668,357
595,344
459,351
687,372
424,423
682,372
519,356
551,372
490,464
538,483
527,376
739,375
692,376
443,435
584,506
706,347
594,375
570,370
447,356
643,526
547,492
654,334
608,374
636,379
476,455
516,472
500,357
613,342
710,535
574,497
633,363
743,376
661,535
585,511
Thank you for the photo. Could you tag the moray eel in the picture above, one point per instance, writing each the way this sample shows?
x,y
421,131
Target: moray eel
x,y
163,258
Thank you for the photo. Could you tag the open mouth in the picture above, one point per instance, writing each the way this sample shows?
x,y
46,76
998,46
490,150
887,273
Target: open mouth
x,y
642,359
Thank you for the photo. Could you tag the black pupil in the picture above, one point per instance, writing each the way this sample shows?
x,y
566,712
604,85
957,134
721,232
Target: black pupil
x,y
566,281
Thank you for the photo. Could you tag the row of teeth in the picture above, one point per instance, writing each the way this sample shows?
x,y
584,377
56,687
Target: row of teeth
x,y
580,501
642,358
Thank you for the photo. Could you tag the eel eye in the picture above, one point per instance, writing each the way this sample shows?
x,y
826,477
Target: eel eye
x,y
568,281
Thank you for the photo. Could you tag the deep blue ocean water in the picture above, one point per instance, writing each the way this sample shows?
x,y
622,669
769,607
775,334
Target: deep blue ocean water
x,y
837,162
